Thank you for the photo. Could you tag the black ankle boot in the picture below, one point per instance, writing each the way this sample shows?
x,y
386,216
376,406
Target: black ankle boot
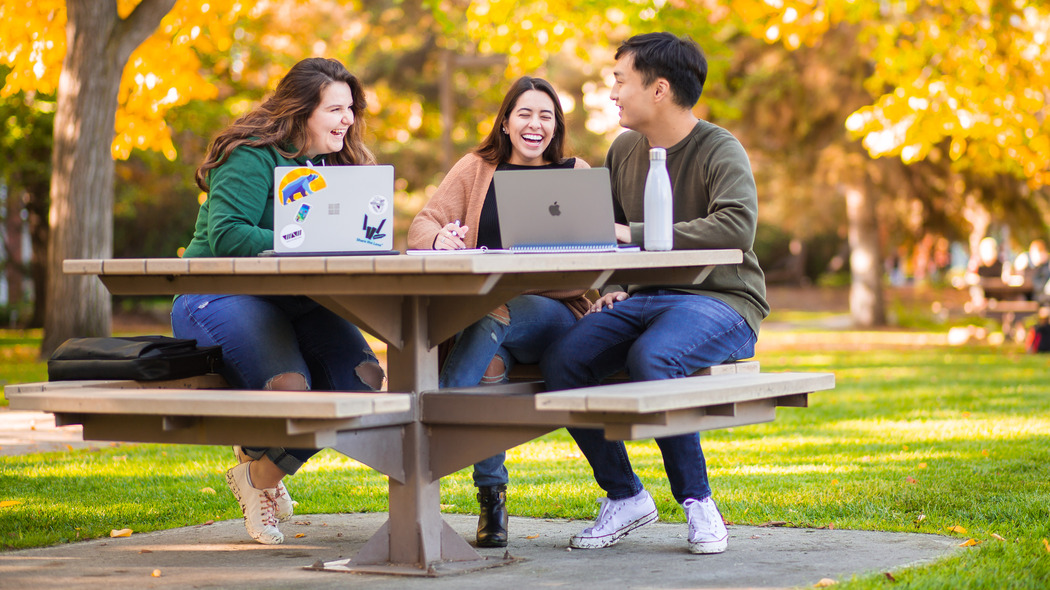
x,y
492,521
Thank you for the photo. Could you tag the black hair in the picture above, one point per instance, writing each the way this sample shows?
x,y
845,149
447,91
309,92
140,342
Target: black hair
x,y
679,60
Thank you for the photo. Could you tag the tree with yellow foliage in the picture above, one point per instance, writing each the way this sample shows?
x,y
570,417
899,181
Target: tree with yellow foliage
x,y
117,68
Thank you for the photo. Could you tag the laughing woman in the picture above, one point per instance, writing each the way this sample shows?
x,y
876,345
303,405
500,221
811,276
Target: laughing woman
x,y
528,134
286,343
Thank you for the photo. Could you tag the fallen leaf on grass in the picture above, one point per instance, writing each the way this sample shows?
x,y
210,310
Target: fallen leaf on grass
x,y
532,537
922,466
997,537
207,490
824,583
957,529
120,533
911,479
8,503
969,543
1047,545
890,577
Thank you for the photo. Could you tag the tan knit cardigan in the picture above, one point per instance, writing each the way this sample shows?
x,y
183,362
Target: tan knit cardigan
x,y
461,195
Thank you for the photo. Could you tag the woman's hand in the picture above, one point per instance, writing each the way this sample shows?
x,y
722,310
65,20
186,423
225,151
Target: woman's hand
x,y
606,301
451,237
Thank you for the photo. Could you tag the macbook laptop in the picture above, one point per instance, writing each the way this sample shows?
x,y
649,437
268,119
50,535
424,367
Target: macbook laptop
x,y
555,210
333,210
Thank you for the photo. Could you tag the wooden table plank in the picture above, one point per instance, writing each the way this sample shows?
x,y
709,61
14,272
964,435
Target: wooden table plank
x,y
673,394
213,402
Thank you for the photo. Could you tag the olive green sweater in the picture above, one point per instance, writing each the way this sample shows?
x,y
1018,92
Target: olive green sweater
x,y
715,206
237,217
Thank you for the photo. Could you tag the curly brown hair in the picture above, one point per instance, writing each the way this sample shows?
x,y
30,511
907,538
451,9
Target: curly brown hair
x,y
280,121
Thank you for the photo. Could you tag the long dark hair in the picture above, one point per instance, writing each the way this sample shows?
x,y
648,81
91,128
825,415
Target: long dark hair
x,y
280,121
496,148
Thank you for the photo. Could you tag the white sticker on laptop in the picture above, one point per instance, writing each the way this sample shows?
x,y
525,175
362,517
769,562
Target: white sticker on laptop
x,y
377,205
292,236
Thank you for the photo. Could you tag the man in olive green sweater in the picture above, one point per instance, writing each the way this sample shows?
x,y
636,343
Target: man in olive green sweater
x,y
669,331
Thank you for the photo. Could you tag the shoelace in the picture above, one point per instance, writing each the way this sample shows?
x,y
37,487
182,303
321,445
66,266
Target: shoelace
x,y
269,508
605,513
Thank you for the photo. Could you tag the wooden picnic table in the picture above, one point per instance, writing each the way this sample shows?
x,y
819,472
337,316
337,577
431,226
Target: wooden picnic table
x,y
414,433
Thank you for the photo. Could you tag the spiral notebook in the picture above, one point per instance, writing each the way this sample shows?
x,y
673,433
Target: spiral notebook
x,y
556,210
333,210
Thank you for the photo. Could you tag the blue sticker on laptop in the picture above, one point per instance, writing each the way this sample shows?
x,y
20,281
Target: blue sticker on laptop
x,y
300,183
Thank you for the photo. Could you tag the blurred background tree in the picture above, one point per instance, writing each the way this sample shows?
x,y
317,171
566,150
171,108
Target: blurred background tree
x,y
877,130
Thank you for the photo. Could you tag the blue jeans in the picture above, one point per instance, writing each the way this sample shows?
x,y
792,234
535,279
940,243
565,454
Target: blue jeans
x,y
654,335
535,323
262,337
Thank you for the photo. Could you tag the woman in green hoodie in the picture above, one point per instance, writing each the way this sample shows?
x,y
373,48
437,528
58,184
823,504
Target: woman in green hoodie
x,y
314,118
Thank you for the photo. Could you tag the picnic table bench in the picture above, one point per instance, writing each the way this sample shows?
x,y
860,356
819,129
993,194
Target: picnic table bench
x,y
415,433
1006,302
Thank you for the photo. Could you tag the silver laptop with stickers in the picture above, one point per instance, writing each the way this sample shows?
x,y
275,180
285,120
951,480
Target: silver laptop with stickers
x,y
333,210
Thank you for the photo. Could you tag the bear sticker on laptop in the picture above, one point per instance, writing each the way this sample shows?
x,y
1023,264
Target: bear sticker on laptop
x,y
299,183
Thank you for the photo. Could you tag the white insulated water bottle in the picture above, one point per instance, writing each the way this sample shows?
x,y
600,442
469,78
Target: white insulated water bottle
x,y
658,202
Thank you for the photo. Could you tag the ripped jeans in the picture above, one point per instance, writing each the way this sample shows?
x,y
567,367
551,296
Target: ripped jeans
x,y
535,323
262,337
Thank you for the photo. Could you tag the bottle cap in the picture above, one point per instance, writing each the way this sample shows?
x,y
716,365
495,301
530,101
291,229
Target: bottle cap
x,y
657,154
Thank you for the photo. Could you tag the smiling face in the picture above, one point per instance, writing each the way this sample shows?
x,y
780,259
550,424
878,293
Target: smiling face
x,y
530,126
326,128
631,94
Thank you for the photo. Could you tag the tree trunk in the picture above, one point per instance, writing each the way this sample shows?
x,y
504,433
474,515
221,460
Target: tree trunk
x,y
98,45
866,302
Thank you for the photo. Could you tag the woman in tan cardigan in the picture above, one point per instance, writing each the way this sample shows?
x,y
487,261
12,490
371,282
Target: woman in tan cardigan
x,y
528,134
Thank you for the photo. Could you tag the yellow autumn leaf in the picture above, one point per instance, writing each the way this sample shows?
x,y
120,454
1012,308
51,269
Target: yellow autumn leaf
x,y
922,466
156,573
300,535
207,490
824,583
7,503
957,529
120,533
969,542
995,536
532,537
1047,545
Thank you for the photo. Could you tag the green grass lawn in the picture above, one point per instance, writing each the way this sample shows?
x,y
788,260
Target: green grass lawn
x,y
945,440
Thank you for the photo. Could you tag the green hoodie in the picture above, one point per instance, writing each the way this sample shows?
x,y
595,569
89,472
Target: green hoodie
x,y
715,206
237,217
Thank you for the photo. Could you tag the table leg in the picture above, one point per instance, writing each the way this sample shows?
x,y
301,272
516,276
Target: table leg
x,y
415,540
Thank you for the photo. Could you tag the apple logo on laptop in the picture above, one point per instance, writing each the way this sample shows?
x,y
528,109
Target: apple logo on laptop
x,y
555,209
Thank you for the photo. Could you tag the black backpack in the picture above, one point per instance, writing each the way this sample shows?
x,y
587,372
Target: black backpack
x,y
1038,338
146,358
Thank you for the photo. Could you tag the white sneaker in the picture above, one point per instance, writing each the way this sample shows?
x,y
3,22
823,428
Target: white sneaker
x,y
707,530
258,506
615,519
285,504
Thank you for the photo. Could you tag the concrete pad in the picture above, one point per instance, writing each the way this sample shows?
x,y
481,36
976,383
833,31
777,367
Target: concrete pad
x,y
23,432
221,555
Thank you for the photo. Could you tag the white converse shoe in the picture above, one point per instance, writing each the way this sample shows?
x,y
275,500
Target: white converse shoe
x,y
258,506
615,519
285,504
707,530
